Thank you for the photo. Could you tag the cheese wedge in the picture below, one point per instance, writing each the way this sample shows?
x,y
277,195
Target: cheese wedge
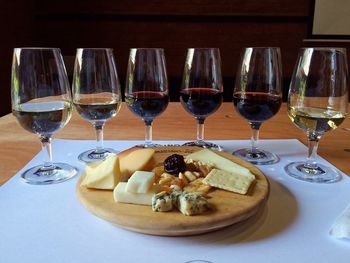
x,y
103,174
140,182
137,160
228,181
122,196
220,162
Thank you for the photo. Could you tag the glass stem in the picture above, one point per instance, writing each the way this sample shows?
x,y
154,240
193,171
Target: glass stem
x,y
254,140
148,133
99,135
313,140
48,167
200,130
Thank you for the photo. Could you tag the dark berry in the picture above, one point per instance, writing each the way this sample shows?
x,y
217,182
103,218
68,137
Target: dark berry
x,y
174,164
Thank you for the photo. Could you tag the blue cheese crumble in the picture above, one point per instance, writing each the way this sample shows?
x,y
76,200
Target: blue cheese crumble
x,y
188,203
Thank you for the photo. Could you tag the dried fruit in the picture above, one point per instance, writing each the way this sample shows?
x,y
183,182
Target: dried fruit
x,y
174,164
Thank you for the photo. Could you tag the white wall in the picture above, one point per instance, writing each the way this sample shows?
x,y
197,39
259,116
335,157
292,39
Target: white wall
x,y
332,17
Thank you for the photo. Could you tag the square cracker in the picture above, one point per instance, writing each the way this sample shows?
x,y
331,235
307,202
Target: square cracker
x,y
228,181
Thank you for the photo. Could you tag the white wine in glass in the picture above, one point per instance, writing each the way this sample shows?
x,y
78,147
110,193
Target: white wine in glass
x,y
317,103
41,102
96,94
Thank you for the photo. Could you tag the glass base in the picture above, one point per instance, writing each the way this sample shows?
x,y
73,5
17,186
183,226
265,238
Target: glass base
x,y
204,144
323,174
94,155
60,172
261,157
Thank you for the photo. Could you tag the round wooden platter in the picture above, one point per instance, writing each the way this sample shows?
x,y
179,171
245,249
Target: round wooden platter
x,y
229,208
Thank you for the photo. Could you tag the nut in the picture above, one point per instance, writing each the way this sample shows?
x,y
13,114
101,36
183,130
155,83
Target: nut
x,y
191,167
197,186
198,166
197,174
190,176
204,169
183,178
165,179
158,171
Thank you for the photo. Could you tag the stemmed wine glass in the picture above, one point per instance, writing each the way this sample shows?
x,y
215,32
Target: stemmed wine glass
x,y
96,94
317,103
41,102
257,96
146,92
202,89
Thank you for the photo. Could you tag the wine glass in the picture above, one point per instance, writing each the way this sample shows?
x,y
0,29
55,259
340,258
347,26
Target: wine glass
x,y
41,102
146,92
257,96
96,94
317,103
202,89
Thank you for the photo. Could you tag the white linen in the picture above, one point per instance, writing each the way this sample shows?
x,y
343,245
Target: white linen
x,y
341,226
48,224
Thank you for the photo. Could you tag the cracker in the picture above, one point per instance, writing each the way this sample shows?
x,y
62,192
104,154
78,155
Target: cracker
x,y
228,181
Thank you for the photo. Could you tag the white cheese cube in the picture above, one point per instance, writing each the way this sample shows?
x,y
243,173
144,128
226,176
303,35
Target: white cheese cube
x,y
140,182
122,196
103,174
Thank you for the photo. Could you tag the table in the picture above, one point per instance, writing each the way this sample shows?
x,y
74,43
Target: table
x,y
293,226
18,146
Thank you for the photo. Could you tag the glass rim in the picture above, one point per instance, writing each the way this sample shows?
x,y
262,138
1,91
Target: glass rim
x,y
95,48
204,48
147,48
37,48
343,49
260,47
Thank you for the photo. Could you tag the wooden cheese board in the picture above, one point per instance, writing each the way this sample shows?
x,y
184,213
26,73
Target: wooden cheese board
x,y
229,208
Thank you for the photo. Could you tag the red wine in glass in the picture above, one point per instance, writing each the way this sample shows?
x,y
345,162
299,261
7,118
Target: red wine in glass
x,y
202,89
201,102
257,106
257,96
147,104
146,91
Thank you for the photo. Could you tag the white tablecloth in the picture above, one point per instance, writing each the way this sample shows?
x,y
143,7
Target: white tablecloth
x,y
48,224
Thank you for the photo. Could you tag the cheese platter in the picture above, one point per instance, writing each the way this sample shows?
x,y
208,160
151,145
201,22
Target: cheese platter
x,y
226,207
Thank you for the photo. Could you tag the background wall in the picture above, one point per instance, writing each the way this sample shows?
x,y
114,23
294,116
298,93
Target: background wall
x,y
332,18
173,25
